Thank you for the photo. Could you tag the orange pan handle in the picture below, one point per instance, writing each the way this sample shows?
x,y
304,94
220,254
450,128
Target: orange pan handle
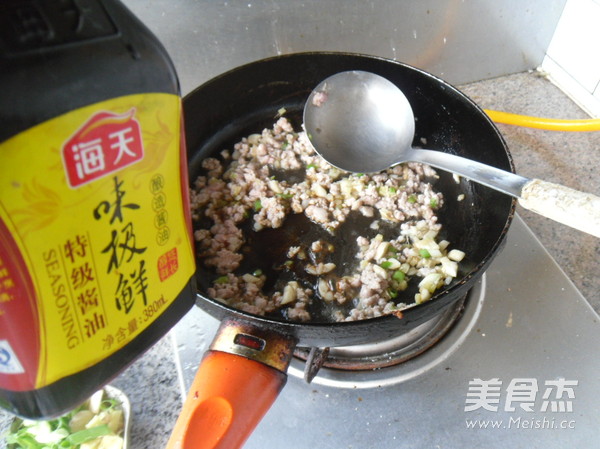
x,y
237,382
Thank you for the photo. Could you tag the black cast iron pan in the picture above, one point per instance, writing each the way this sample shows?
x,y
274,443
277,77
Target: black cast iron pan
x,y
247,99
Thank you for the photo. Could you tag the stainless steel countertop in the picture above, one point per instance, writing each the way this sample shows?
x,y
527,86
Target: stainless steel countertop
x,y
459,41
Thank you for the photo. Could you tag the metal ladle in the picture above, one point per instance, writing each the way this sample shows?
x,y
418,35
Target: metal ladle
x,y
362,123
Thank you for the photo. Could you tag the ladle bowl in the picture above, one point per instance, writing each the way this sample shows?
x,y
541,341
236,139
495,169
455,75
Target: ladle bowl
x,y
361,122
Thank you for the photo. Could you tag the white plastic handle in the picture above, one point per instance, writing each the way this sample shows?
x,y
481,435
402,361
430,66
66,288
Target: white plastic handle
x,y
570,207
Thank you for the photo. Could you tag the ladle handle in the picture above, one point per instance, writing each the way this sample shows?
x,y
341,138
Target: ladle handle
x,y
570,207
497,179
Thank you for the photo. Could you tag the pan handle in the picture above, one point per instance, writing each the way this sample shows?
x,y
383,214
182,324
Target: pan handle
x,y
238,380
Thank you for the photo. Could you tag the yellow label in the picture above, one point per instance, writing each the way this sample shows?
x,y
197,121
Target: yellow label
x,y
94,202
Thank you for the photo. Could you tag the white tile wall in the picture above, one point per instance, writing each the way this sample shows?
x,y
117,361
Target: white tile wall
x,y
573,57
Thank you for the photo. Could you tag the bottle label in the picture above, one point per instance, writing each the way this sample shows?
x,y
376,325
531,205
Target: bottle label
x,y
94,235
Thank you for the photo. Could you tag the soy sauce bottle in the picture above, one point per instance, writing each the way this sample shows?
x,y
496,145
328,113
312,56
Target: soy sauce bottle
x,y
96,258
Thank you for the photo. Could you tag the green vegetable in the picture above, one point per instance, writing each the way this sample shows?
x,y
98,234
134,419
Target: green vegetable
x,y
257,205
88,434
22,440
222,280
257,272
386,264
424,253
109,403
412,199
311,166
398,276
393,293
59,434
433,203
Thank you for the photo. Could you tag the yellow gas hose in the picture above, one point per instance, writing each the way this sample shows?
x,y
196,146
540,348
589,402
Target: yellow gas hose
x,y
543,123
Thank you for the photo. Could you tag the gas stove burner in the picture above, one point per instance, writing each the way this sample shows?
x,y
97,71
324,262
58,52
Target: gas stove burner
x,y
386,353
395,358
382,354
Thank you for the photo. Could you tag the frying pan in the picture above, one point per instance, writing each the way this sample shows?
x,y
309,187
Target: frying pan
x,y
244,369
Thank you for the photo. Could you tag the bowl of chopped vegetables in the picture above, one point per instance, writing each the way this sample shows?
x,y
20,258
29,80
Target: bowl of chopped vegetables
x,y
102,422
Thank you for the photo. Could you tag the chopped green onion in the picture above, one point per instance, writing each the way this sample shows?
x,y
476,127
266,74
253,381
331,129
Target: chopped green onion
x,y
285,196
393,293
222,280
257,205
84,435
424,253
433,203
311,166
108,404
392,189
412,199
386,264
284,145
22,440
398,276
257,272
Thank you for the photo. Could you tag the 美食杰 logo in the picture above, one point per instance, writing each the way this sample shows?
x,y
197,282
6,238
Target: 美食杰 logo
x,y
556,395
532,404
